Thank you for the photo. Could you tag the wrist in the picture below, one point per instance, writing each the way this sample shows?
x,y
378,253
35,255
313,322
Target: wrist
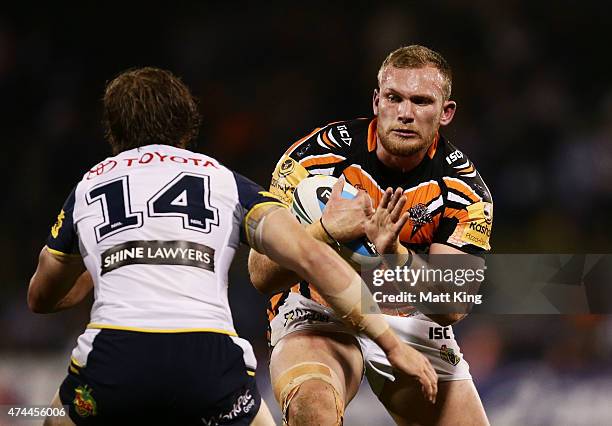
x,y
401,256
388,341
318,232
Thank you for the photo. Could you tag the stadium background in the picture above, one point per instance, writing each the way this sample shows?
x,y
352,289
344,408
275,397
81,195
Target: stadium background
x,y
535,114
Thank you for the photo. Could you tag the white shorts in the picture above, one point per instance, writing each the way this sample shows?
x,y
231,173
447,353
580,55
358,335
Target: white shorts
x,y
437,343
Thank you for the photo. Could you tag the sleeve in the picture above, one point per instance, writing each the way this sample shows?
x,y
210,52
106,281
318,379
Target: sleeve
x,y
63,239
251,196
315,154
467,219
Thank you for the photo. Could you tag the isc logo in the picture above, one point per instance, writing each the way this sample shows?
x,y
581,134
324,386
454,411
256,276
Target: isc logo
x,y
454,156
439,333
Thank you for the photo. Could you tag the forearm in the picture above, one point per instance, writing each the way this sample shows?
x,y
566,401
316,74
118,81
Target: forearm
x,y
285,242
268,276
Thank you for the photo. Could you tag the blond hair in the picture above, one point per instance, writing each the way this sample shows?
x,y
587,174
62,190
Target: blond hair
x,y
416,56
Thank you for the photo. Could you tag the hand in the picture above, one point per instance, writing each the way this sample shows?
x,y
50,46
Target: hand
x,y
343,218
411,362
384,226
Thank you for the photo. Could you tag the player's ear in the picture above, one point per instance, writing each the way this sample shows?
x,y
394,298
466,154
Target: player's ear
x,y
448,112
375,99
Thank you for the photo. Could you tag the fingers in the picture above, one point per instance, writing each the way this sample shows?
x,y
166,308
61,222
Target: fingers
x,y
368,208
433,377
398,201
337,188
429,383
402,221
392,203
384,201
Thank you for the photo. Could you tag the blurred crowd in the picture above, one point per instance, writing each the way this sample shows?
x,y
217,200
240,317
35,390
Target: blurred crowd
x,y
535,115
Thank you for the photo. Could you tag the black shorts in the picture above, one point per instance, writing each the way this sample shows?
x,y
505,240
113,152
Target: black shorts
x,y
161,378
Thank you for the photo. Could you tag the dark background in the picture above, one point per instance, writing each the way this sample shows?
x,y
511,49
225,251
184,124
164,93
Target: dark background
x,y
532,82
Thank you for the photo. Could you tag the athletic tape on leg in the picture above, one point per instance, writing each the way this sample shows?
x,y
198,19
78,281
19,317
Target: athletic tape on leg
x,y
288,384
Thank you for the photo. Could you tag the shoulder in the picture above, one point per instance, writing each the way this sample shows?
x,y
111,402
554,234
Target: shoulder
x,y
337,138
459,174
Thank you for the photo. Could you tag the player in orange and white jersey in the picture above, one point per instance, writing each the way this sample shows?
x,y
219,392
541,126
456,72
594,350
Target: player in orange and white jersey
x,y
447,209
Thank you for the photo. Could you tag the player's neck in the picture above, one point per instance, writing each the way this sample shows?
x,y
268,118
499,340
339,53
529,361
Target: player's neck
x,y
399,163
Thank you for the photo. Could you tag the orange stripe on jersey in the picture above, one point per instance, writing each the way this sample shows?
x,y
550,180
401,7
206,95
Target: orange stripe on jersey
x,y
361,180
327,141
467,169
296,144
460,214
372,136
317,160
432,149
274,300
462,187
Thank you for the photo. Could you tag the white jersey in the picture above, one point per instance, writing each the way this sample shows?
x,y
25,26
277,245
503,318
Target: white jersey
x,y
157,228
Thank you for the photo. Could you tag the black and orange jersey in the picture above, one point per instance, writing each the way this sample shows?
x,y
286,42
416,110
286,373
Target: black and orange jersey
x,y
447,200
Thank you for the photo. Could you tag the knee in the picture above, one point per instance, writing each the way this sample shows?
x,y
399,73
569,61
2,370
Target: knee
x,y
315,402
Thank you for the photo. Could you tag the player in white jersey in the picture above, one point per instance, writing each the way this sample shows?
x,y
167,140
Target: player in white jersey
x,y
156,227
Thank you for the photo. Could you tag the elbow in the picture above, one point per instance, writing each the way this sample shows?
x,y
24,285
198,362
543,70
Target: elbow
x,y
36,302
36,305
257,274
258,282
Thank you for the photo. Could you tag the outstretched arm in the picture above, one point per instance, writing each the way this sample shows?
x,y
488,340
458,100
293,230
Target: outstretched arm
x,y
275,233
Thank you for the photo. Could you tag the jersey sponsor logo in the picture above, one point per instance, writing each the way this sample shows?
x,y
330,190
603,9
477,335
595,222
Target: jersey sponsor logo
x,y
308,315
101,169
454,156
242,407
437,333
448,354
478,231
158,253
149,158
345,135
156,157
58,224
287,167
84,404
287,175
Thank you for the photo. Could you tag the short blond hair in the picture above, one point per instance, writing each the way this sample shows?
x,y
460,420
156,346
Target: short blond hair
x,y
416,56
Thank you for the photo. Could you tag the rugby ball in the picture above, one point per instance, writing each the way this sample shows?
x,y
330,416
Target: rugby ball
x,y
309,200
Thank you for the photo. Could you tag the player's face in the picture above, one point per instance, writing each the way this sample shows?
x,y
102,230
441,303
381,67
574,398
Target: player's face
x,y
410,107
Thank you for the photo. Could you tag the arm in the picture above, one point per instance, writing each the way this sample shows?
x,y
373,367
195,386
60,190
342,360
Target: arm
x,y
343,219
268,276
277,234
52,287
